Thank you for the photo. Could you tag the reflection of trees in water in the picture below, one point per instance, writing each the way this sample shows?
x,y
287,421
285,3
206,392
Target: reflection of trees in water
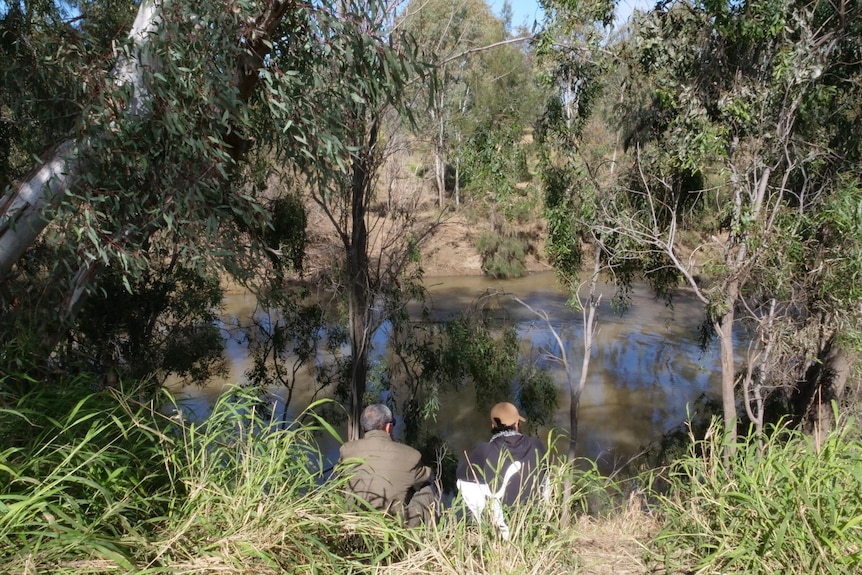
x,y
295,347
647,367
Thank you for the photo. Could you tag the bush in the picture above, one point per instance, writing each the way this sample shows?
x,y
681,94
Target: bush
x,y
787,509
503,256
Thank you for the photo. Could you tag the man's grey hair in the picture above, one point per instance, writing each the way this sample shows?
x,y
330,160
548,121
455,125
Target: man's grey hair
x,y
375,416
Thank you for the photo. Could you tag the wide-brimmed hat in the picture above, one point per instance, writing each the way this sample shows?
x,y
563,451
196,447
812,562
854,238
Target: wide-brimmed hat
x,y
505,414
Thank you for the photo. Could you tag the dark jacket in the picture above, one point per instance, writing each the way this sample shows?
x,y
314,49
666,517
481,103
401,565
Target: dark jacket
x,y
488,462
383,472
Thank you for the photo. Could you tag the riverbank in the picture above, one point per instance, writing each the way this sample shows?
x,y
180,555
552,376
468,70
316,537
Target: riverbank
x,y
103,485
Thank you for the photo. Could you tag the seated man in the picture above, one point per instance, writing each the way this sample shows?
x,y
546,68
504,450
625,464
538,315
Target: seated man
x,y
389,475
504,471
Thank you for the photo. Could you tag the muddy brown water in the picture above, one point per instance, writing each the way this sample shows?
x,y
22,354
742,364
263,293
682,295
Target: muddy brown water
x,y
646,371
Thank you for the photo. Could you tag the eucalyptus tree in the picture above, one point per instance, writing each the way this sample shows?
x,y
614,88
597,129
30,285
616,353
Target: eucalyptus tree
x,y
156,124
364,88
138,116
483,81
162,118
736,118
506,103
573,62
448,30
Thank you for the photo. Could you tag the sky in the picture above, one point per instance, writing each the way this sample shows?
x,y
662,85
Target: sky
x,y
528,11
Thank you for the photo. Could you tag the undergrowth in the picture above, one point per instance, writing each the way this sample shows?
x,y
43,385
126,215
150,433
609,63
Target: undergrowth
x,y
93,482
785,507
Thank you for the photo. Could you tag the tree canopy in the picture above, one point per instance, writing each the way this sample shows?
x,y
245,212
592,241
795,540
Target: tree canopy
x,y
736,121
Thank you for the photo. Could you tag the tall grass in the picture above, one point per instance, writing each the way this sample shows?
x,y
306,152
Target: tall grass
x,y
77,478
257,501
789,509
91,482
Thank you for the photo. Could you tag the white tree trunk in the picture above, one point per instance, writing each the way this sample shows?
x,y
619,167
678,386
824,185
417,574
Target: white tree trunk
x,y
23,217
25,209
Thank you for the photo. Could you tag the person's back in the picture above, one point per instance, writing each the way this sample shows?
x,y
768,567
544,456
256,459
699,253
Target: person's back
x,y
505,471
489,462
388,475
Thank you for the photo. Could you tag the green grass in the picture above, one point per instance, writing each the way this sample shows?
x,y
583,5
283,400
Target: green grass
x,y
92,482
77,478
790,509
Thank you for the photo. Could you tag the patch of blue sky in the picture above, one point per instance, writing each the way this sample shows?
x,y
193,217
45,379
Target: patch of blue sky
x,y
528,12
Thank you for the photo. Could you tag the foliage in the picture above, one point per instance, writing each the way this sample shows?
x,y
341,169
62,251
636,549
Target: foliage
x,y
502,256
792,508
78,473
730,120
482,97
285,238
478,349
50,62
574,169
494,161
537,395
162,322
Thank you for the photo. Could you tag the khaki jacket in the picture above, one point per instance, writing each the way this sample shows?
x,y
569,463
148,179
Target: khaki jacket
x,y
383,472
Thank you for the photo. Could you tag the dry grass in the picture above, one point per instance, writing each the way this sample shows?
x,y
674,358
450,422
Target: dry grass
x,y
591,546
616,545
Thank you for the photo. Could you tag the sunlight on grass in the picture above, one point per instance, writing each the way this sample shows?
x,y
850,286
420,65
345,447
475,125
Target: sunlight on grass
x,y
94,483
792,508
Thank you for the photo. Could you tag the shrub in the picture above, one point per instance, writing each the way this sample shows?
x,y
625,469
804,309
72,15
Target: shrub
x,y
789,509
503,256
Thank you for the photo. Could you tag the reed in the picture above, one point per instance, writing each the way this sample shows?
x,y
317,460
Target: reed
x,y
789,508
92,482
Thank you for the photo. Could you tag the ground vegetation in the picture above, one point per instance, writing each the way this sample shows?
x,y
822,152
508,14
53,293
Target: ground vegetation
x,y
115,485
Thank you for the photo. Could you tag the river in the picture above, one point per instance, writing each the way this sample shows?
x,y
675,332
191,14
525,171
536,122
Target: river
x,y
646,368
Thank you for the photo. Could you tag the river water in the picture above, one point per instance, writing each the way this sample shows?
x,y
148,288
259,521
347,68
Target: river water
x,y
646,368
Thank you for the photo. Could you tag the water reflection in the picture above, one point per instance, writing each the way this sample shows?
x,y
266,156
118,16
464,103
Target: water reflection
x,y
645,370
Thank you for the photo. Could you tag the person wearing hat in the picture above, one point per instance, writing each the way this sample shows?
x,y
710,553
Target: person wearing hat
x,y
388,475
502,472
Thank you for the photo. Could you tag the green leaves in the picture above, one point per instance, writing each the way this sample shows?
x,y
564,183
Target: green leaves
x,y
83,479
788,508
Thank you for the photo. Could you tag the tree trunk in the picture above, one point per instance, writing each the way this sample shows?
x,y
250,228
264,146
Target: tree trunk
x,y
440,154
458,180
589,314
825,382
724,329
358,282
25,210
